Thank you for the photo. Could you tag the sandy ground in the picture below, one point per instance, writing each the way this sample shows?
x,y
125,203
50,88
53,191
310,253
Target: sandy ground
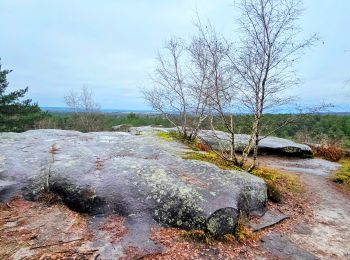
x,y
327,233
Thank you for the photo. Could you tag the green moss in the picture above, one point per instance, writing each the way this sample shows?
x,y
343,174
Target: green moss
x,y
342,176
241,234
165,136
211,157
278,183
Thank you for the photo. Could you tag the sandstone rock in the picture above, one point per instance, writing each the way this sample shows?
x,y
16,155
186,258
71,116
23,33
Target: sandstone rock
x,y
282,247
121,128
219,140
268,145
140,177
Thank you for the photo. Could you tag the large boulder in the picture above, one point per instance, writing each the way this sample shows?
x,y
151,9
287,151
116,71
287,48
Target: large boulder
x,y
221,141
268,145
140,177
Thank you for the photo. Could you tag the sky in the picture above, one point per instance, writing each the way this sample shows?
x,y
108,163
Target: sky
x,y
110,46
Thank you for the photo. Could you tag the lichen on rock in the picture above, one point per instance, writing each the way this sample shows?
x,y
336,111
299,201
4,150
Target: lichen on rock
x,y
139,177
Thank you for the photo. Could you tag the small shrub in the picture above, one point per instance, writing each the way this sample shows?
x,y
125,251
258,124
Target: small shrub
x,y
273,193
342,176
329,150
203,147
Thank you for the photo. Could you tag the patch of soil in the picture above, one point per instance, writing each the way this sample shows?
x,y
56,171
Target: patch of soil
x,y
114,226
30,230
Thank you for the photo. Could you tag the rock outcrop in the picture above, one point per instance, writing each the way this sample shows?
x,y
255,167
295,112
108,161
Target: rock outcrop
x,y
219,140
140,177
121,128
268,145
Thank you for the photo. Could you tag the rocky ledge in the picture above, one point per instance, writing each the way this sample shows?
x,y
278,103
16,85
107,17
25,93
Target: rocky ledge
x,y
219,140
268,144
140,177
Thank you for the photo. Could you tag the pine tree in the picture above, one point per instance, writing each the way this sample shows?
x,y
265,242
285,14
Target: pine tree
x,y
16,115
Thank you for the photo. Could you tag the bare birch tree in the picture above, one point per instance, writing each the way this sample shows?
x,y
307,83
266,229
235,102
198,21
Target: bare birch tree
x,y
214,51
264,60
180,93
86,111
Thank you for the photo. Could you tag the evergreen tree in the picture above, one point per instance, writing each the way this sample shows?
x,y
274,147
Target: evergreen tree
x,y
16,115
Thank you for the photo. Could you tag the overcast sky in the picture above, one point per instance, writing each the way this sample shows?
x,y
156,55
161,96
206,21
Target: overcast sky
x,y
58,45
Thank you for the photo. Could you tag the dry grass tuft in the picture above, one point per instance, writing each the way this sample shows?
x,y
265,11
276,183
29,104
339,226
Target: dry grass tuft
x,y
199,236
242,232
278,183
203,147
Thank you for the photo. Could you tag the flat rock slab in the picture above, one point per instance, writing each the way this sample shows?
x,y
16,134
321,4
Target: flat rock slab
x,y
268,220
315,167
219,140
282,247
140,177
268,145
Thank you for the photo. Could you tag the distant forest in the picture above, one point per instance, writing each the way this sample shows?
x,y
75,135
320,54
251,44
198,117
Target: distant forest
x,y
315,128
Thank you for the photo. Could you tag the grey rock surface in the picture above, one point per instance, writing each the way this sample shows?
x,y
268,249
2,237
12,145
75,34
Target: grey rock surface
x,y
219,140
268,145
268,220
140,177
282,247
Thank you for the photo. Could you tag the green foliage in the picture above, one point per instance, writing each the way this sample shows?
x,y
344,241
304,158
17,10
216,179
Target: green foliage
x,y
16,115
342,176
310,128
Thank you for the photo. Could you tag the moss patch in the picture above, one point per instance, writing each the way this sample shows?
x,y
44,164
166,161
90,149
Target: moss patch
x,y
278,183
165,136
213,158
342,176
241,234
171,136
